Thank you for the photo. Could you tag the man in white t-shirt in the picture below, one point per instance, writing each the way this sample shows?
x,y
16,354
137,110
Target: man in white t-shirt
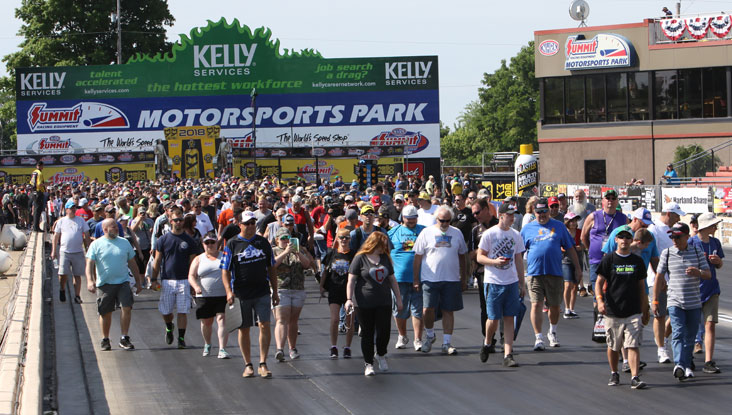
x,y
500,251
426,211
71,235
670,214
439,270
203,222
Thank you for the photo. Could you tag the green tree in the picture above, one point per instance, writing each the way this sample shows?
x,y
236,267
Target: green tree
x,y
503,117
698,167
80,32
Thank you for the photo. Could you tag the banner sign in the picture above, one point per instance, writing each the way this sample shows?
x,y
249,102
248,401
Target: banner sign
x,y
691,199
300,98
192,150
723,200
500,189
118,172
77,159
602,51
305,152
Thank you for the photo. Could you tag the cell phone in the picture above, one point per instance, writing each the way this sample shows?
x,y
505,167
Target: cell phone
x,y
296,243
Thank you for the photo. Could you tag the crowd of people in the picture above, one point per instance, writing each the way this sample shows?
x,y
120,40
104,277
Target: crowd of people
x,y
404,248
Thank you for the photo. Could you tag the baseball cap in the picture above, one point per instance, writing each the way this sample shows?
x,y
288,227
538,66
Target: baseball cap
x,y
376,201
282,232
644,215
553,201
348,198
424,195
673,207
610,192
384,211
237,198
624,229
109,208
569,216
542,204
351,214
98,206
482,193
247,215
209,237
561,196
399,196
83,201
297,199
507,208
367,209
706,220
679,229
409,212
70,204
287,218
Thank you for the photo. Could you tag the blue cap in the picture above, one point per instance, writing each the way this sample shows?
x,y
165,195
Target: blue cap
x,y
70,204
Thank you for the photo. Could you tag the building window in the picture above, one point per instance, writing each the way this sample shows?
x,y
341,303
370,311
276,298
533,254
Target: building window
x,y
553,100
617,96
595,172
715,92
638,95
690,93
575,94
595,98
665,84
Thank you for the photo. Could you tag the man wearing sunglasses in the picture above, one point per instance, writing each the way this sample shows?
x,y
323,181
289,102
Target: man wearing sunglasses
x,y
597,229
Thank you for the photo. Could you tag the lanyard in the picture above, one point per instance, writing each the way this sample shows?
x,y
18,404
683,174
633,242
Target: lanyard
x,y
604,221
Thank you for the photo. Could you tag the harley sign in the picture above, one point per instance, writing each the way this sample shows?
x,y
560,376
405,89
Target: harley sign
x,y
602,51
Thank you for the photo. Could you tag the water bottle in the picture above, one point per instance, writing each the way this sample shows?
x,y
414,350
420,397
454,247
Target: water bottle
x,y
55,264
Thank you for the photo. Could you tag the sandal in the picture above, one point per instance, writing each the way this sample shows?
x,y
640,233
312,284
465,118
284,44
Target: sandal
x,y
582,292
248,371
264,371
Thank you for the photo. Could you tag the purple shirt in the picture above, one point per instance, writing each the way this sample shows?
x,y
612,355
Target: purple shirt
x,y
602,227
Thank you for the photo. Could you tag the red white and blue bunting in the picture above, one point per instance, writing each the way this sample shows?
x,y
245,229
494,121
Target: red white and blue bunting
x,y
697,26
673,28
720,25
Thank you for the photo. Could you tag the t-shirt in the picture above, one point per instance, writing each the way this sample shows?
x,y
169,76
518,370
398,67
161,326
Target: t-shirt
x,y
464,221
99,232
249,261
543,246
651,251
84,213
663,241
176,251
372,282
337,265
623,295
708,288
359,236
72,234
110,257
439,251
289,272
230,231
203,224
225,217
499,243
683,290
427,217
402,239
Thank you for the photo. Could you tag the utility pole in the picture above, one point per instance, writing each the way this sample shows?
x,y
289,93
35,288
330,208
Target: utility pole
x,y
254,128
678,9
119,33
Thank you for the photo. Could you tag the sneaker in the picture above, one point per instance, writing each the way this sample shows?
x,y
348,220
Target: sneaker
x,y
641,365
539,345
636,383
264,371
573,314
427,345
402,342
181,343
679,373
626,367
417,345
614,379
508,361
223,354
124,342
582,292
663,356
689,373
206,350
77,300
553,341
280,356
381,360
693,365
294,354
484,353
169,335
106,345
545,309
341,329
698,348
369,370
567,314
449,349
346,352
334,352
711,367
62,296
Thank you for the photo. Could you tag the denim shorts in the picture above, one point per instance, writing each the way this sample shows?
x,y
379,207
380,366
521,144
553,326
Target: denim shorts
x,y
447,295
502,300
255,307
568,273
411,302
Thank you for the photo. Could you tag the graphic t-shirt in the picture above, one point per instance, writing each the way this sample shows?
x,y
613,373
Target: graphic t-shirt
x,y
372,284
402,239
440,250
623,273
289,272
176,251
543,245
464,221
249,261
499,243
336,269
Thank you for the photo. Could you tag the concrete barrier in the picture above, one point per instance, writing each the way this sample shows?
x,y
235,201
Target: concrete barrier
x,y
22,350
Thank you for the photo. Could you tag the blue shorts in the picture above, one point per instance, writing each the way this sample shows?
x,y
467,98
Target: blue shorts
x,y
411,302
593,274
447,295
502,300
255,309
568,273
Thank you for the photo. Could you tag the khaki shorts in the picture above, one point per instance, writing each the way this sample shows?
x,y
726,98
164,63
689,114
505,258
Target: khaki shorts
x,y
623,332
710,309
549,287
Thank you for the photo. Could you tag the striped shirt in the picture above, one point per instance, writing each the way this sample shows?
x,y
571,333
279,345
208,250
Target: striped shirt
x,y
683,290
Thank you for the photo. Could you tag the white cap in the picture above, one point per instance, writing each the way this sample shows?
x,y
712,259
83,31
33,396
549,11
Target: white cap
x,y
297,198
83,201
673,207
644,215
409,212
299,190
247,215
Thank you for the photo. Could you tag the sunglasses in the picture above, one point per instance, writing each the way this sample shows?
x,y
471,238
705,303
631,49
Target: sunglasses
x,y
343,238
177,220
251,222
368,214
444,220
625,237
398,201
209,242
284,238
542,210
611,198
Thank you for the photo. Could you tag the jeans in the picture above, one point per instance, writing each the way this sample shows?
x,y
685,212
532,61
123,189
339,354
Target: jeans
x,y
374,320
684,325
39,206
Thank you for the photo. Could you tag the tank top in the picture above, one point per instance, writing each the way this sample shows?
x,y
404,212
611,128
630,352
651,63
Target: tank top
x,y
602,227
209,276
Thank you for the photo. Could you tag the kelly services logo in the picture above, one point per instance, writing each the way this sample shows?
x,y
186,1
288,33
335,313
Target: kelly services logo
x,y
602,51
82,116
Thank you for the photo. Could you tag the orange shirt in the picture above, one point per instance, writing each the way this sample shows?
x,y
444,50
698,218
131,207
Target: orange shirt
x,y
225,217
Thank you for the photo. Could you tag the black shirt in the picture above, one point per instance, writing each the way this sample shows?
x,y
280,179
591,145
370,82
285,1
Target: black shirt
x,y
372,284
475,234
230,231
249,262
623,274
464,221
336,269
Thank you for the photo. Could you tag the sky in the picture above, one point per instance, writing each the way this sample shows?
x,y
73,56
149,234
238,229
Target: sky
x,y
470,37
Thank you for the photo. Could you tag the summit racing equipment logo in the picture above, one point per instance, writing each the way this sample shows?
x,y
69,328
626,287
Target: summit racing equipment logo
x,y
82,116
53,145
602,51
241,142
414,141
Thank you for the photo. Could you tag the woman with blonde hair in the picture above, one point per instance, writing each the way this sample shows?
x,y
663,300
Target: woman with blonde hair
x,y
530,214
370,284
334,279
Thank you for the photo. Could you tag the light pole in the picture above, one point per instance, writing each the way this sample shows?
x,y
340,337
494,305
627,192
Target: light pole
x,y
254,127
